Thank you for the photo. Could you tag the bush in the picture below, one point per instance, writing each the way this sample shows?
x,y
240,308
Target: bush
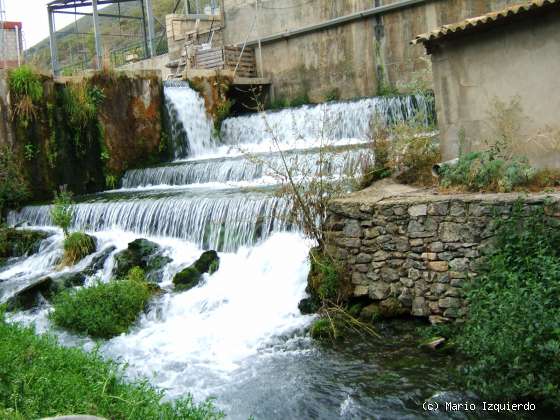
x,y
105,309
77,246
487,171
324,276
62,210
512,335
13,186
26,90
39,378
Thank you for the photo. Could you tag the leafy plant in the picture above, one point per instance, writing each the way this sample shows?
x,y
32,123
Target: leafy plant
x,y
105,309
26,91
40,378
29,151
487,171
77,246
62,210
512,335
111,181
14,188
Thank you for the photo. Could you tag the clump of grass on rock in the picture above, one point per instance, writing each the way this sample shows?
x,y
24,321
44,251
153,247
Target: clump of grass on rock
x,y
39,378
104,310
77,246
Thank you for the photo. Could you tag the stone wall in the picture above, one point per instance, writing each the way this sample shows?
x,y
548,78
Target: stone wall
x,y
416,252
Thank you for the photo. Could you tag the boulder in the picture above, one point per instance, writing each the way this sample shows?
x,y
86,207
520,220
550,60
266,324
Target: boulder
x,y
98,261
208,262
144,254
308,305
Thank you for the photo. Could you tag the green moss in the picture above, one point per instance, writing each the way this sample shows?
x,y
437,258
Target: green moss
x,y
14,187
103,310
40,378
77,246
17,242
325,329
187,279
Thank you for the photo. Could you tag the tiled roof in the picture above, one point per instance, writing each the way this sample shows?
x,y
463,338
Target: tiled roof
x,y
484,21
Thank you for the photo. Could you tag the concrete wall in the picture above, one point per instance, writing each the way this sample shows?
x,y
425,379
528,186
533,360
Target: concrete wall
x,y
415,253
157,64
520,60
356,57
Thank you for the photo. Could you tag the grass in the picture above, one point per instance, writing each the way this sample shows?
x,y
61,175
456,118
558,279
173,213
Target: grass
x,y
77,246
39,378
104,310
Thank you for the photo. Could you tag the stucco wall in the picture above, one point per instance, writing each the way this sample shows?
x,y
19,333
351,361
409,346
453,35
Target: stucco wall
x,y
519,60
353,56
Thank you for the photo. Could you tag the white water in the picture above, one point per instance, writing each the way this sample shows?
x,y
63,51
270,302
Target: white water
x,y
227,331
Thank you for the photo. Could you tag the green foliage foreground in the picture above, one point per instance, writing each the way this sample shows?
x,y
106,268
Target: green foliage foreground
x,y
104,310
512,335
40,378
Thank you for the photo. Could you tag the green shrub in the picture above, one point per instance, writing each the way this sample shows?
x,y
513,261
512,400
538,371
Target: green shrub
x,y
487,171
39,378
13,186
512,335
62,210
26,90
105,309
77,246
324,277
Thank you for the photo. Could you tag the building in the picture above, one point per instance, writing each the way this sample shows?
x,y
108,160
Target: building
x,y
511,56
11,44
321,48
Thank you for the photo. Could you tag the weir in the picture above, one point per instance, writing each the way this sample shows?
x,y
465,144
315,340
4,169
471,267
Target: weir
x,y
224,187
239,335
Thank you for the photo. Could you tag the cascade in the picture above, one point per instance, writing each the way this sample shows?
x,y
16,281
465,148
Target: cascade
x,y
241,328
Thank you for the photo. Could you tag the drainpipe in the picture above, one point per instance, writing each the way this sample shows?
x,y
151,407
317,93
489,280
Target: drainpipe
x,y
97,34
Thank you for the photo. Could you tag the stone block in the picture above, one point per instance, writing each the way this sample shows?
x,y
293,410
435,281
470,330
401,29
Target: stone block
x,y
352,229
379,291
438,209
429,256
438,265
361,290
420,307
449,302
363,258
418,210
380,256
349,242
436,246
372,233
459,264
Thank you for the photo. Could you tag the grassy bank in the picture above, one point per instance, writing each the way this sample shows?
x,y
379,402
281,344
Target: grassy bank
x,y
40,378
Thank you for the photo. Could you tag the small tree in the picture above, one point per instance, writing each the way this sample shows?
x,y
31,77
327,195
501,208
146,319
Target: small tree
x,y
62,210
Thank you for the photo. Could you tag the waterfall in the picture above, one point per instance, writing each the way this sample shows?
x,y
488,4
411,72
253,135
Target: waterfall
x,y
238,335
222,222
190,125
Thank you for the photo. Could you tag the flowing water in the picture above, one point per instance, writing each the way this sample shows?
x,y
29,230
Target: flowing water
x,y
239,336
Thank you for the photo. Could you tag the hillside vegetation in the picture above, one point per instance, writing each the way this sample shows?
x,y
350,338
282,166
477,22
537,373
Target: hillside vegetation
x,y
76,45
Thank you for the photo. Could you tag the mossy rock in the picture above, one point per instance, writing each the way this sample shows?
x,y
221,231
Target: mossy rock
x,y
144,254
386,309
187,279
20,242
309,305
208,262
98,261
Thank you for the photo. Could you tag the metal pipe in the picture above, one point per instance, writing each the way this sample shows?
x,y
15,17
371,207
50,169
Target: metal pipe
x,y
151,36
97,35
61,12
337,21
52,42
146,50
18,46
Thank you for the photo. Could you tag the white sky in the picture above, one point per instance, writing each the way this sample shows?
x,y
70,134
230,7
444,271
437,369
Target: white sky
x,y
33,14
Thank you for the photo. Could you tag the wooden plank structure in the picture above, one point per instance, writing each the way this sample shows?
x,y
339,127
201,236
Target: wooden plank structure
x,y
227,58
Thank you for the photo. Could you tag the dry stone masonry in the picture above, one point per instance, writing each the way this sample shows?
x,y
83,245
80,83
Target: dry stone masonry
x,y
414,254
